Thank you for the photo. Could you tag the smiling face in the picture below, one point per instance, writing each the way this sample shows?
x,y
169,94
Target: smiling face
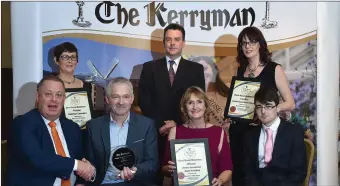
x,y
195,107
51,97
67,62
173,43
120,100
250,48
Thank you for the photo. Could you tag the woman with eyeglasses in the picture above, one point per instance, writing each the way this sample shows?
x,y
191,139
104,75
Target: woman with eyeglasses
x,y
66,57
255,62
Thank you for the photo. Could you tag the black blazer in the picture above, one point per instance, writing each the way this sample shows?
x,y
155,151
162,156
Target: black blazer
x,y
157,98
32,158
289,161
142,138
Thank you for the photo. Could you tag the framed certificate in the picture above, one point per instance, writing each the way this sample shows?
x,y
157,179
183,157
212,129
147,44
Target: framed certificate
x,y
240,104
78,105
193,163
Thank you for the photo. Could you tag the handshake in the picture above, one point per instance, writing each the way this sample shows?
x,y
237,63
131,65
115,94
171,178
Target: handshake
x,y
86,170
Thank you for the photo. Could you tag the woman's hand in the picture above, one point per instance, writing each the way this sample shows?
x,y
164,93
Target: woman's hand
x,y
171,167
217,182
286,115
226,124
165,129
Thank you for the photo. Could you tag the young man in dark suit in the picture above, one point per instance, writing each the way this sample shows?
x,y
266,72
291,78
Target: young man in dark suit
x,y
163,82
274,152
45,147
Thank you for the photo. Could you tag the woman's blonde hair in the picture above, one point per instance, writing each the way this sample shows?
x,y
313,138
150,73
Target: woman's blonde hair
x,y
198,92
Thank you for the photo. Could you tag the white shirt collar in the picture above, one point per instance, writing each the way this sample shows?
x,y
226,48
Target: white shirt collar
x,y
48,121
177,60
126,121
274,126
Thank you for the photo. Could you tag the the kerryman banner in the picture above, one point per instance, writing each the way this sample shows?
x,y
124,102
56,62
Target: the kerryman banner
x,y
131,33
116,38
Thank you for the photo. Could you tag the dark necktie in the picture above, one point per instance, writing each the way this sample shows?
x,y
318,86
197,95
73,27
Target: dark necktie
x,y
171,72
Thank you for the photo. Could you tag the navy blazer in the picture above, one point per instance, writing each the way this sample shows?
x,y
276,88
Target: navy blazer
x,y
289,160
157,98
141,137
32,158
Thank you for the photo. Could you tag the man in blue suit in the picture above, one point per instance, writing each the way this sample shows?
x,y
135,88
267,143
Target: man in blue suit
x,y
122,127
44,147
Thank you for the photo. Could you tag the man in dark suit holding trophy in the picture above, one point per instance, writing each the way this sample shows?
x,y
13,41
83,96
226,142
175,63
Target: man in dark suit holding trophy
x,y
122,145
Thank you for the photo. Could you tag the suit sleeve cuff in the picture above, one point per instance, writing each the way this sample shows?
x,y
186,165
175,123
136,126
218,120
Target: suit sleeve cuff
x,y
75,167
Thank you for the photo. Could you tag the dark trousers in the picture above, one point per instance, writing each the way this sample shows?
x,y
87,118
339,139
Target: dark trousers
x,y
161,148
120,184
237,132
127,184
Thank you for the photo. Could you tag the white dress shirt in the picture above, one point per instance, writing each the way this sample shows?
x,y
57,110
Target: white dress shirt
x,y
175,66
57,181
263,138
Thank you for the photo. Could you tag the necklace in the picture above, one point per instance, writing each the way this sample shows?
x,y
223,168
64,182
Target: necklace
x,y
68,82
251,71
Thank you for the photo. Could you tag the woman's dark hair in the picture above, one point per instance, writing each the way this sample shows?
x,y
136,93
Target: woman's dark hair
x,y
65,47
254,34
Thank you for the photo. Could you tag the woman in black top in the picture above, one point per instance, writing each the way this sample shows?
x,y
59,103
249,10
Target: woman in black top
x,y
66,57
255,62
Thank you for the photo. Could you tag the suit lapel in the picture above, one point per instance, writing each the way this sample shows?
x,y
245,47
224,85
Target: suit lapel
x,y
279,141
255,145
47,140
180,73
68,136
162,72
133,130
105,133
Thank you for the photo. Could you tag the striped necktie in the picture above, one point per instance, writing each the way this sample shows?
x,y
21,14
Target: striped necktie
x,y
171,72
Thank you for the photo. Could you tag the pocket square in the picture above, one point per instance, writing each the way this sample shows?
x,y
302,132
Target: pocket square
x,y
138,141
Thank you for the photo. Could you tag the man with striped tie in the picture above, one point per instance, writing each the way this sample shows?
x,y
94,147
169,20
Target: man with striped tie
x,y
274,152
163,82
44,147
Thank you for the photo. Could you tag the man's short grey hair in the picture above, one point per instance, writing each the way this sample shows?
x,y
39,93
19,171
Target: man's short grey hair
x,y
117,80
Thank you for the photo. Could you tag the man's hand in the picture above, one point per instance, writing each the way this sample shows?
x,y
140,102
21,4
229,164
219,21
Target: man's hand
x,y
166,128
85,170
127,173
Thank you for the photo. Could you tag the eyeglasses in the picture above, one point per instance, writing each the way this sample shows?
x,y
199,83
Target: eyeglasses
x,y
66,57
266,107
250,43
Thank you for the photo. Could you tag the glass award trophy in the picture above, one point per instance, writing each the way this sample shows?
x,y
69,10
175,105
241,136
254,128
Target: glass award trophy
x,y
122,156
